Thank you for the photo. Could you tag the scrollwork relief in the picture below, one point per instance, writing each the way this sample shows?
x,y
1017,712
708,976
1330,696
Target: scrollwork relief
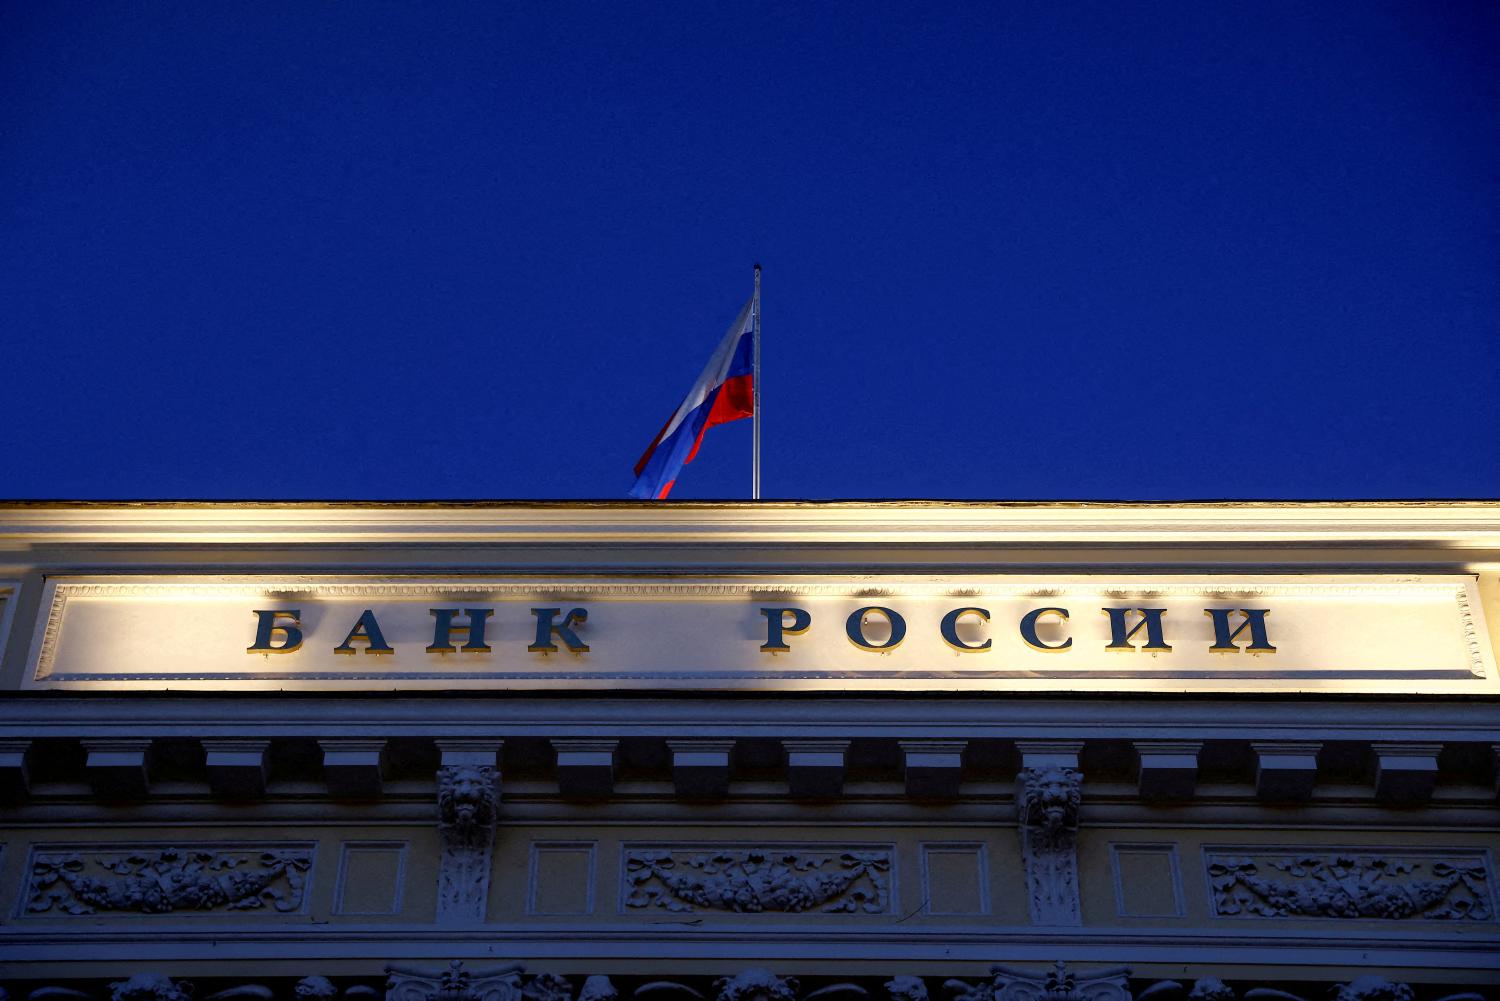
x,y
1450,888
157,880
750,880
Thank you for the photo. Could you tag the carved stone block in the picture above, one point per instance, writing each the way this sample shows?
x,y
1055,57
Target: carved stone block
x,y
1285,771
15,770
478,752
1168,768
933,768
117,767
700,768
815,768
1405,774
784,878
585,768
353,767
236,766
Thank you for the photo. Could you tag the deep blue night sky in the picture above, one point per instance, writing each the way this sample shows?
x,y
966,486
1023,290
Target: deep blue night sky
x,y
1012,251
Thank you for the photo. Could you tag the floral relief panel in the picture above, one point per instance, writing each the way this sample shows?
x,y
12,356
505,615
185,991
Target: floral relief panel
x,y
162,879
1390,883
790,879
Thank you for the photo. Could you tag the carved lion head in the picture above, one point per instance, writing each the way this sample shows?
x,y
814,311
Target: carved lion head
x,y
466,795
1051,797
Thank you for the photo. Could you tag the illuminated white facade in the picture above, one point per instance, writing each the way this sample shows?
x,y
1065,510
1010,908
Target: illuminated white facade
x,y
748,751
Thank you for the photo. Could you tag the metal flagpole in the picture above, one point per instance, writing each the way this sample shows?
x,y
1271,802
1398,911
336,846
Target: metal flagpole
x,y
755,384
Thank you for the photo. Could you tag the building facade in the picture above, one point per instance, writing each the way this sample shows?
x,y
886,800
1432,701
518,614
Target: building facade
x,y
749,752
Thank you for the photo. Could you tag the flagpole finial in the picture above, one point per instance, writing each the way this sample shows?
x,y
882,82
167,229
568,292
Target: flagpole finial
x,y
757,265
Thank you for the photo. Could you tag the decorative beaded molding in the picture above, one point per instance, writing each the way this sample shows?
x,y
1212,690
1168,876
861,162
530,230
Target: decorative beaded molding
x,y
785,878
1390,883
161,879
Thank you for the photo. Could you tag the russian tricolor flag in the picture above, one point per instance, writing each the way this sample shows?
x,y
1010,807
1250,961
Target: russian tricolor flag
x,y
724,392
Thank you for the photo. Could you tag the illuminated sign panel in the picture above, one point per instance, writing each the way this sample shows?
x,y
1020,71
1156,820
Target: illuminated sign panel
x,y
1329,633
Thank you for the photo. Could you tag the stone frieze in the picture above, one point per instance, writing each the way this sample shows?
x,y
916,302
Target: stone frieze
x,y
159,879
1391,884
788,879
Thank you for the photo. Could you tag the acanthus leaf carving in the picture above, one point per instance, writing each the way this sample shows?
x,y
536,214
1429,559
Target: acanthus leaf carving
x,y
468,799
454,984
1047,802
1055,984
150,987
1373,987
315,988
753,880
756,984
906,989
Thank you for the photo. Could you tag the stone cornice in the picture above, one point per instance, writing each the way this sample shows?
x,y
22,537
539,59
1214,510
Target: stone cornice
x,y
1466,525
1290,718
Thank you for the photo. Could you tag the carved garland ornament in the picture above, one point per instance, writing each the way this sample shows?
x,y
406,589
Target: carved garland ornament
x,y
759,879
1350,886
161,880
